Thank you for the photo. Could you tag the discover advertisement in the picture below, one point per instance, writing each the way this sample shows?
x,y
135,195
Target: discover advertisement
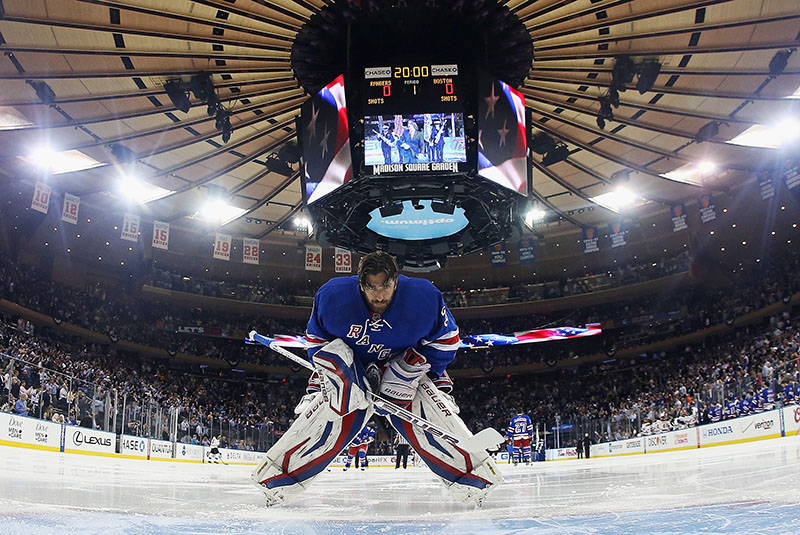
x,y
683,439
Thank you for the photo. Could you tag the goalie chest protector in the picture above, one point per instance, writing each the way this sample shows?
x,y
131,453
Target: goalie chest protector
x,y
417,317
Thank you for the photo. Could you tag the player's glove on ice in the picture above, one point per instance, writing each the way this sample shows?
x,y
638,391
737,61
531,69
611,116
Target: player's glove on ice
x,y
401,377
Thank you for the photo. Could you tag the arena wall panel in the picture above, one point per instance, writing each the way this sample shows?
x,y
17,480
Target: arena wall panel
x,y
791,420
135,447
29,432
85,440
683,439
743,429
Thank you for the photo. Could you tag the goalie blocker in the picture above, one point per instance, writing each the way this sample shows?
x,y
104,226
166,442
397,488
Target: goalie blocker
x,y
339,411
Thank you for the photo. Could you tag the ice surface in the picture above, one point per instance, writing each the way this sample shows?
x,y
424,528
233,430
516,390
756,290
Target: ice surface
x,y
739,489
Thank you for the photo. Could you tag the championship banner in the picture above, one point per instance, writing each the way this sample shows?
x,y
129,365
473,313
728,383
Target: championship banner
x,y
41,198
766,184
706,205
161,235
130,228
616,231
313,258
678,212
343,261
590,240
499,254
250,250
69,212
222,247
791,173
526,253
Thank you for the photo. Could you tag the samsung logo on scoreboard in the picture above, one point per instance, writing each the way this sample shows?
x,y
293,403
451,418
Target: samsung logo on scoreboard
x,y
377,72
444,70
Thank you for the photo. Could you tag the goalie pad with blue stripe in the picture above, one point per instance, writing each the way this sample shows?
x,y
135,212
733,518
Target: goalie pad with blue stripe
x,y
327,424
468,475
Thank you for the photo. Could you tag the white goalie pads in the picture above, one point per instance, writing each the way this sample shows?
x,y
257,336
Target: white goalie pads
x,y
324,427
468,475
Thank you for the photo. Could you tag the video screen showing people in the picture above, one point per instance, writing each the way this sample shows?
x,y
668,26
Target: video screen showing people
x,y
415,138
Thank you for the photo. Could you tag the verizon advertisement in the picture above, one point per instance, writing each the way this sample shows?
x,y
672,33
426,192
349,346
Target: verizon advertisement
x,y
743,429
82,439
791,420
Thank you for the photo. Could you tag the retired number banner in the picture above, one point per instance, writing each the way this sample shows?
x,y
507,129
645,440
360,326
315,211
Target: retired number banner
x,y
313,258
766,184
222,247
161,235
791,173
70,211
343,261
41,198
250,250
130,228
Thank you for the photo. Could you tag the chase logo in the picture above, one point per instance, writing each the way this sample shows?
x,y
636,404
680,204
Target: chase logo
x,y
444,70
377,72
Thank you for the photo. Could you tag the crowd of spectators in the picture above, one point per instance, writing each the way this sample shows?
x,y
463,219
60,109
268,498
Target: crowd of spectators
x,y
616,400
64,379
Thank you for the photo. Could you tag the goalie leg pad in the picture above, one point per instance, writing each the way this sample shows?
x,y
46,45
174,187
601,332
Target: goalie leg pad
x,y
315,438
469,475
342,379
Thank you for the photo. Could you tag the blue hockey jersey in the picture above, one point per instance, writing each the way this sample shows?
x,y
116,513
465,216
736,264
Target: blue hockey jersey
x,y
520,427
366,436
417,317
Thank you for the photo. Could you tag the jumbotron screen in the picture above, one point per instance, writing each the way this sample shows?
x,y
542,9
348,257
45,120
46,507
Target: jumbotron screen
x,y
414,142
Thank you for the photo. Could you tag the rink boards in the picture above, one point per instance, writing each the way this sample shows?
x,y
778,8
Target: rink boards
x,y
32,433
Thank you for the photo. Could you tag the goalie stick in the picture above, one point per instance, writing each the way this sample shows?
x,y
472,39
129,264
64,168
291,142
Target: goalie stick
x,y
485,439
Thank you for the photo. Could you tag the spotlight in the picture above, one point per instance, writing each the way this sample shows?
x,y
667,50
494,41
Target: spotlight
x,y
623,72
202,87
601,123
223,124
542,143
558,154
177,95
707,132
122,153
613,97
390,210
605,108
277,165
43,91
648,72
443,207
289,152
779,61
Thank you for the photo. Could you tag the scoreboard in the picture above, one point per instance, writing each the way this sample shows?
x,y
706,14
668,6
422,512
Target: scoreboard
x,y
406,89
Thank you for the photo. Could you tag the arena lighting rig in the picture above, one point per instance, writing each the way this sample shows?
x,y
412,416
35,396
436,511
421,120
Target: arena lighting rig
x,y
414,140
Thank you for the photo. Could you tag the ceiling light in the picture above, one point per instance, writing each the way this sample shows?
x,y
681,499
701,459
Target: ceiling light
x,y
57,162
772,136
219,211
706,167
138,191
616,200
534,217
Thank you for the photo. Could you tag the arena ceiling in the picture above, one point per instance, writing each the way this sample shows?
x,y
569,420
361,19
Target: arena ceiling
x,y
107,61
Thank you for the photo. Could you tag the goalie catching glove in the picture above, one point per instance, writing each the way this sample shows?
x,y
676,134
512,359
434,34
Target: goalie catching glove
x,y
402,376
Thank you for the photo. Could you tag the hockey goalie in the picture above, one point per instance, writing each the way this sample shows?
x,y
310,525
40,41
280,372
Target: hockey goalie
x,y
385,333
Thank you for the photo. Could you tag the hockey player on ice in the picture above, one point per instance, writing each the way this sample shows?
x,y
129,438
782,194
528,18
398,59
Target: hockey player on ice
x,y
214,455
359,446
379,332
520,433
